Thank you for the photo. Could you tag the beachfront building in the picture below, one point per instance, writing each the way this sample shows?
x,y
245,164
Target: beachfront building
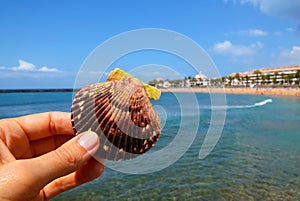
x,y
202,79
199,80
283,76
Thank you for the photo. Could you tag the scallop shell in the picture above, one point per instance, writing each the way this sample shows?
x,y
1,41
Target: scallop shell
x,y
120,112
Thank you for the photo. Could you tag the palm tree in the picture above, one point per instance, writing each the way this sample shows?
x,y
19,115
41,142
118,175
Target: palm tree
x,y
268,77
153,82
247,80
223,80
275,78
290,78
194,79
230,80
297,76
264,78
282,78
286,78
237,77
257,72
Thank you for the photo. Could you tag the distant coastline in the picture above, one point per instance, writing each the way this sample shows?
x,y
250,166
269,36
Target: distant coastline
x,y
240,90
35,90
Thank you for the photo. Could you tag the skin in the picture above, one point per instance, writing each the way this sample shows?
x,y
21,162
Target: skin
x,y
40,157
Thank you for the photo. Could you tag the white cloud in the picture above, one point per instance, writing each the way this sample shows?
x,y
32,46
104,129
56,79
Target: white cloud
x,y
46,69
254,32
276,8
290,56
25,66
227,48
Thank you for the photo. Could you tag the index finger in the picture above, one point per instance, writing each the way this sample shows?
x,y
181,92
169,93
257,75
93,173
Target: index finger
x,y
39,126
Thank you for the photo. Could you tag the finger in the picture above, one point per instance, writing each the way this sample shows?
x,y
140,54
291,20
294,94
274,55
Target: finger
x,y
90,171
38,126
19,133
5,155
45,145
66,159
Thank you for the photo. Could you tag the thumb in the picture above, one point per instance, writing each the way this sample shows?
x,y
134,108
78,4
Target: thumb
x,y
66,159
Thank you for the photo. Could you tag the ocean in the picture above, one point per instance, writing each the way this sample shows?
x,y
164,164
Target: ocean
x,y
257,156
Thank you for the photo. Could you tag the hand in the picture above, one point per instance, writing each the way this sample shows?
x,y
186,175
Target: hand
x,y
40,157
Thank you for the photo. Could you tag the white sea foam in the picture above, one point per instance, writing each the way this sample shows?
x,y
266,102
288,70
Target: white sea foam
x,y
258,104
263,102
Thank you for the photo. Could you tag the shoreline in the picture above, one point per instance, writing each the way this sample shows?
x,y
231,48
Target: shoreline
x,y
240,90
281,91
36,90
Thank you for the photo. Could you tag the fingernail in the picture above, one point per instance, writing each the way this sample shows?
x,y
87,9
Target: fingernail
x,y
89,140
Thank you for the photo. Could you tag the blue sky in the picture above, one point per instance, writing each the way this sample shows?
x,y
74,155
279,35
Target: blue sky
x,y
44,43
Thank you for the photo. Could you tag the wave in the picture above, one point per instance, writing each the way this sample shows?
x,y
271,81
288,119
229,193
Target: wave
x,y
258,104
263,102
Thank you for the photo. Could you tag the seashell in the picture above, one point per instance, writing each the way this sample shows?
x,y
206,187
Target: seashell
x,y
120,112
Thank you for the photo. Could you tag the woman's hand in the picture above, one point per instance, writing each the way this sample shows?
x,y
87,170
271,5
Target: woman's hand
x,y
41,157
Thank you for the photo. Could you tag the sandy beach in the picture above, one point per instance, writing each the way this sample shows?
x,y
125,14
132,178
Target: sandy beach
x,y
254,91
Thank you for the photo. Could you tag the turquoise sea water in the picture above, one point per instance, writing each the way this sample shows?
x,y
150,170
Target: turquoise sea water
x,y
256,158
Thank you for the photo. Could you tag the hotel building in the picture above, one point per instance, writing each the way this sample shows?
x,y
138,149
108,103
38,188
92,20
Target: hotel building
x,y
288,75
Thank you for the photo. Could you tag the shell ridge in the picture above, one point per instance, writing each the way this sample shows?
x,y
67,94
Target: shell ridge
x,y
117,110
139,103
110,140
81,116
88,113
83,95
88,91
88,110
